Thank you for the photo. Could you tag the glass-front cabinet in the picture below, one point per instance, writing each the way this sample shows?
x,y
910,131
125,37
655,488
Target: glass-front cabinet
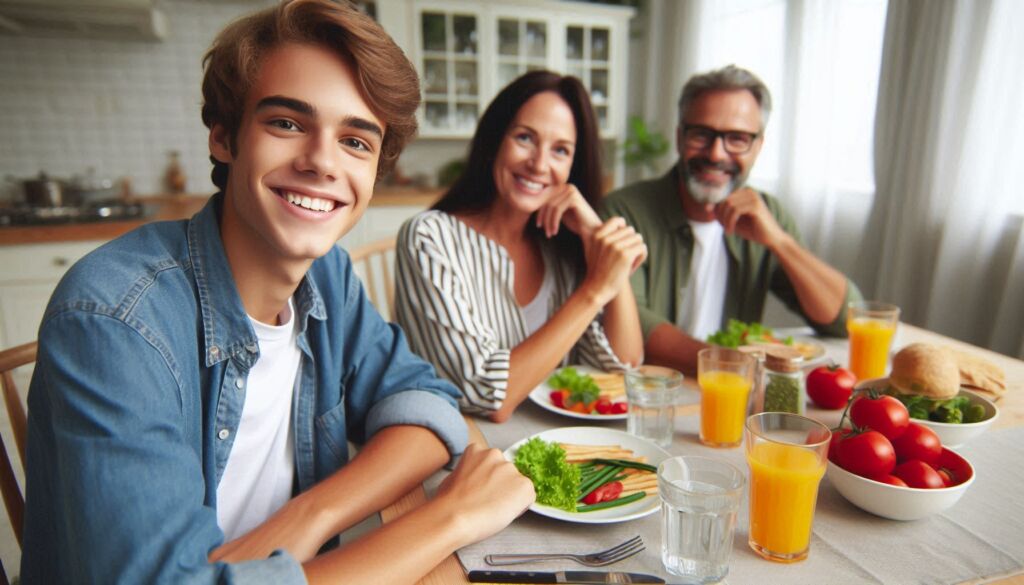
x,y
467,50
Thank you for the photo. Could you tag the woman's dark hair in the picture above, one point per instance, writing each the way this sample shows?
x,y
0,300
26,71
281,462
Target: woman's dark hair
x,y
475,190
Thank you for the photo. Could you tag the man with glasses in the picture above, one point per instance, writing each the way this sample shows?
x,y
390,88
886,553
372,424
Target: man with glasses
x,y
716,247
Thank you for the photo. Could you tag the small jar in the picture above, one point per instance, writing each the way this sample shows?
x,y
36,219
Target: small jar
x,y
784,389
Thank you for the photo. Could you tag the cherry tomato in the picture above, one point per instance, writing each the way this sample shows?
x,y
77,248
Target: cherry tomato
x,y
558,397
884,414
917,442
620,408
868,454
603,406
891,480
947,477
919,474
833,444
830,386
605,493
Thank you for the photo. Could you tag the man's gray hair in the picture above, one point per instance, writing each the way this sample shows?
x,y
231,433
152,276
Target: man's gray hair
x,y
727,78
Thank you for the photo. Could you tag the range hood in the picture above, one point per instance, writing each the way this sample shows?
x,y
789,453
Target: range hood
x,y
107,19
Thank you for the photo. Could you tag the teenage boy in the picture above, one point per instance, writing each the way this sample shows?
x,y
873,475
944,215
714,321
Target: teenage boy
x,y
197,380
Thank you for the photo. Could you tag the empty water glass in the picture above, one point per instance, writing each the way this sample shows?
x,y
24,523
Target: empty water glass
x,y
700,498
653,392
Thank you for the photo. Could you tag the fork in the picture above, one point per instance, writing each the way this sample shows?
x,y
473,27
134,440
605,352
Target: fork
x,y
598,559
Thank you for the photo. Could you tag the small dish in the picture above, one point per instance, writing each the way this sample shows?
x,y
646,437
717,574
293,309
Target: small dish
x,y
903,503
599,436
541,395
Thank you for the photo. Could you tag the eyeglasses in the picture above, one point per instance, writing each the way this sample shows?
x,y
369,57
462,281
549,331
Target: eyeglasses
x,y
734,141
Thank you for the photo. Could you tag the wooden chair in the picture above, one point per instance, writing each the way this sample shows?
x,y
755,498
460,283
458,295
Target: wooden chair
x,y
373,262
14,500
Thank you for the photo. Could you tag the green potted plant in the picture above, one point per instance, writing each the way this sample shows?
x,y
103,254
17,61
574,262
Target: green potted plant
x,y
643,147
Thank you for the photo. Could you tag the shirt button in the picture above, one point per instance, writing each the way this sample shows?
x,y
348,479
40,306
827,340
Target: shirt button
x,y
223,434
239,383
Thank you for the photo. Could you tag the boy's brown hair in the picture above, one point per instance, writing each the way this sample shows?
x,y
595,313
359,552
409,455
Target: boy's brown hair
x,y
386,78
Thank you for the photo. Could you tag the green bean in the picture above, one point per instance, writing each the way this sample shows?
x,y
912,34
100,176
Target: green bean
x,y
628,463
597,481
612,503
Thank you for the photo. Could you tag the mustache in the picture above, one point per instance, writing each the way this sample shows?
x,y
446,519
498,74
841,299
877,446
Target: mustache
x,y
697,164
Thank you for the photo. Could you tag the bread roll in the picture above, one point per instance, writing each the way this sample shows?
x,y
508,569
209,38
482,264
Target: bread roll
x,y
927,370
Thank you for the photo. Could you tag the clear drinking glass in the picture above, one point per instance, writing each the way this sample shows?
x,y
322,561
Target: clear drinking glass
x,y
699,501
653,392
871,326
725,377
787,457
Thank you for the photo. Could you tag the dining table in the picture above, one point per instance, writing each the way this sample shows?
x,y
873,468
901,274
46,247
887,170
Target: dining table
x,y
978,540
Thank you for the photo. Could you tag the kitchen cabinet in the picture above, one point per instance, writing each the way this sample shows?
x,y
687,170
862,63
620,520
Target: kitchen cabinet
x,y
465,51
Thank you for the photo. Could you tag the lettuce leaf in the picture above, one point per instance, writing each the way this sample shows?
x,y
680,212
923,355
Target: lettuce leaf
x,y
556,481
581,387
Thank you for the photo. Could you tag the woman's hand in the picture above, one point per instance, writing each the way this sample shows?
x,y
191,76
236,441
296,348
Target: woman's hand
x,y
486,492
568,207
613,252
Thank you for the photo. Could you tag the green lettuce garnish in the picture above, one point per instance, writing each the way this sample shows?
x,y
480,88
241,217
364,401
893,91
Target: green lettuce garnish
x,y
581,387
556,481
737,333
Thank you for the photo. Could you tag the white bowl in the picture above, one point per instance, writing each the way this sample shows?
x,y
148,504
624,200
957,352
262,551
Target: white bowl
x,y
903,503
951,434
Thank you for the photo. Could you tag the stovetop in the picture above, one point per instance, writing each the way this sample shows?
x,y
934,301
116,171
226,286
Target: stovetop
x,y
96,211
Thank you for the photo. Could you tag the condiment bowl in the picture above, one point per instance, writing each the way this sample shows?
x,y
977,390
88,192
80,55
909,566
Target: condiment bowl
x,y
951,434
904,503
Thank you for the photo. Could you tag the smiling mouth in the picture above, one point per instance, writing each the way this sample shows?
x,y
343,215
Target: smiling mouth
x,y
531,185
306,202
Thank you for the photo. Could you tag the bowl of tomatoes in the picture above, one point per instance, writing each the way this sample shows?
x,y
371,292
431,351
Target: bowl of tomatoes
x,y
896,499
884,462
955,421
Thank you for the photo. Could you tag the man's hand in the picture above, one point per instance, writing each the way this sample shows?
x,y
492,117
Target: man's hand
x,y
745,214
568,207
487,491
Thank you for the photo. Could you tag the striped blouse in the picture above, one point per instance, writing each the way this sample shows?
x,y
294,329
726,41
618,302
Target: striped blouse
x,y
454,298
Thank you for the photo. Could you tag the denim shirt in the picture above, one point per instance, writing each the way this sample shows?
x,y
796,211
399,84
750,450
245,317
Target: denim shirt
x,y
138,389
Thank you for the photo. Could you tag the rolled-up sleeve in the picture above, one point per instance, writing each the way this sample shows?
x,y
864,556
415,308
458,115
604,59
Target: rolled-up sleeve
x,y
422,409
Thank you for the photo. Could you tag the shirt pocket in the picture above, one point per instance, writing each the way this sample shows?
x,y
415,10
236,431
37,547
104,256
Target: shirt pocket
x,y
331,432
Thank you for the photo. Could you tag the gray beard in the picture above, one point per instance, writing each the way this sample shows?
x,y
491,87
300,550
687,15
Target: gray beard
x,y
710,194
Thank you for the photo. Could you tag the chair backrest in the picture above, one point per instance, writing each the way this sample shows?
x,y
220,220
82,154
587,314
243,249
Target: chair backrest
x,y
373,263
14,500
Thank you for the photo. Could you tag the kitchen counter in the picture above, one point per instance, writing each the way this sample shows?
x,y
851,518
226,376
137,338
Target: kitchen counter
x,y
170,207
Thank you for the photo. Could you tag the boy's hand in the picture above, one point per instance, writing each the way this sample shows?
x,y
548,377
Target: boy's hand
x,y
486,492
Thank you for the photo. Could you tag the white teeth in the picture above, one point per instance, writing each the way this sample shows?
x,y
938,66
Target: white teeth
x,y
529,184
307,202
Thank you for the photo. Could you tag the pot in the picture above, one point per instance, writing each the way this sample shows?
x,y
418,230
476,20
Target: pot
x,y
46,192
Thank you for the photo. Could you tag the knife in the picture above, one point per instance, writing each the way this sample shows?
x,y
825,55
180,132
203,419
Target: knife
x,y
561,577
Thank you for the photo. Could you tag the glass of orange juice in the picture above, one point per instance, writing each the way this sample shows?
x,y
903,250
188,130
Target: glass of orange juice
x,y
871,326
725,377
787,457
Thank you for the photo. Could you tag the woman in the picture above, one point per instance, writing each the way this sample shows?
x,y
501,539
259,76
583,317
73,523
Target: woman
x,y
512,272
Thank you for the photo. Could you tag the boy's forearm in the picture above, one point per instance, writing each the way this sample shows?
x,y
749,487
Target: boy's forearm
x,y
393,462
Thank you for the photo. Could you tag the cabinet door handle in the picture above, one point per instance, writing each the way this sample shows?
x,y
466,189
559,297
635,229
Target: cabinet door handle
x,y
60,261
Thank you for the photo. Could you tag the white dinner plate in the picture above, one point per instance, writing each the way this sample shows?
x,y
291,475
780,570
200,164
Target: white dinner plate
x,y
600,436
542,396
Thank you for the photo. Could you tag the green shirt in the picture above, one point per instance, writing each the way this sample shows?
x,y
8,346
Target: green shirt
x,y
654,210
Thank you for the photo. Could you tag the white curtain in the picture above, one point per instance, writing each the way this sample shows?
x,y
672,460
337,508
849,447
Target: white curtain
x,y
945,238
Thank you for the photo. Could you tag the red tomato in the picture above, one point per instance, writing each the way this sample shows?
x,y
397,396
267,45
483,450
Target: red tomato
x,y
558,397
830,386
833,444
917,442
868,454
919,474
620,408
603,406
891,480
947,477
605,493
884,414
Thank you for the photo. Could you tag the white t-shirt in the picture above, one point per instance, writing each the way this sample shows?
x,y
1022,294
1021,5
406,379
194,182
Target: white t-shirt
x,y
701,300
535,313
258,477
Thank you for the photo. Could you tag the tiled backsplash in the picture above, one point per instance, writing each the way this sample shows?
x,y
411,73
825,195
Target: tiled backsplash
x,y
118,106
